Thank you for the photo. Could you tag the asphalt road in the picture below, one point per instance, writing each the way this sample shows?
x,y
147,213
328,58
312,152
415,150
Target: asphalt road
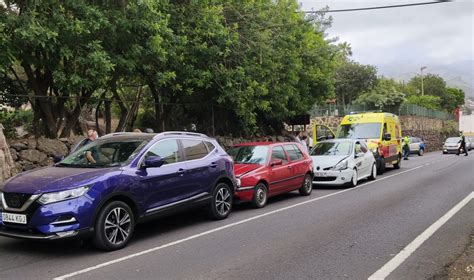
x,y
332,234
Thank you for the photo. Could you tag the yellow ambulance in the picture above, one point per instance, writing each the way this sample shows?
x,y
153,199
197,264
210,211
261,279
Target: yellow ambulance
x,y
383,134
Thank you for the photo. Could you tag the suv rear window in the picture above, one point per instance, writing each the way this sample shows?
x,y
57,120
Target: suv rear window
x,y
194,149
210,146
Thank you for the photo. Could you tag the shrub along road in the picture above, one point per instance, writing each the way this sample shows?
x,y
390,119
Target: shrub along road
x,y
334,233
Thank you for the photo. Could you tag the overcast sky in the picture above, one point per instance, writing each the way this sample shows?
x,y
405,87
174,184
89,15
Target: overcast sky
x,y
437,36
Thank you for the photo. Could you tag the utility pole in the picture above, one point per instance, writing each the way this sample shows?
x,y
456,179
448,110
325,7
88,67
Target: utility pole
x,y
422,89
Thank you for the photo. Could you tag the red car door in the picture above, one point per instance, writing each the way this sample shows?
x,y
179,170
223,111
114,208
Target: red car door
x,y
279,174
298,166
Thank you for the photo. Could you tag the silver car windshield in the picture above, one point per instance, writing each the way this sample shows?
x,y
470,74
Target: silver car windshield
x,y
332,149
453,140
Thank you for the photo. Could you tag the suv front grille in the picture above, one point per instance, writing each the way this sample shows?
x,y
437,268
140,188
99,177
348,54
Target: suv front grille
x,y
16,200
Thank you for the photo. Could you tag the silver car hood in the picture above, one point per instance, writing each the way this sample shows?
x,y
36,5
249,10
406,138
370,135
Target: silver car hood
x,y
323,162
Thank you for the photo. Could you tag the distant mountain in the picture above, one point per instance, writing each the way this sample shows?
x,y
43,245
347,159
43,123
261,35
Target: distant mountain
x,y
459,74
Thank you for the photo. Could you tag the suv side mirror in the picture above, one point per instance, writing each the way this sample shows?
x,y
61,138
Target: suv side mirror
x,y
276,162
387,137
153,161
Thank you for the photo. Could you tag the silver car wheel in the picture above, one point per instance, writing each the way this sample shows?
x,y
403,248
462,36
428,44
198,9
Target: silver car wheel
x,y
354,178
117,226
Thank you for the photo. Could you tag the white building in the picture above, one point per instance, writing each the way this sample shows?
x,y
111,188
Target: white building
x,y
466,124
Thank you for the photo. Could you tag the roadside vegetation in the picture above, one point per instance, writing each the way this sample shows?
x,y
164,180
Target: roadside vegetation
x,y
219,67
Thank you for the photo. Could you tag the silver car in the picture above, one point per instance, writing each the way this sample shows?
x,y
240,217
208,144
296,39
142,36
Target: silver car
x,y
469,143
451,145
342,161
417,146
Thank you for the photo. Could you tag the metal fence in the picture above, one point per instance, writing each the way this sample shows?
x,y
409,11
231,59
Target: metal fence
x,y
404,110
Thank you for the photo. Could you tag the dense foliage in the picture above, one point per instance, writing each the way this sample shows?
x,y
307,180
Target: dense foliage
x,y
386,95
251,64
436,95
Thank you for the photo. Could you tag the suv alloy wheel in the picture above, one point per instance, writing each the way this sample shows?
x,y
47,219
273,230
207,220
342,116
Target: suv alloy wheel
x,y
114,226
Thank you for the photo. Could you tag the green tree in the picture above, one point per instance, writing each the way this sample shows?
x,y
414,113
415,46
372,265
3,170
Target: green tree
x,y
352,79
386,95
427,101
454,98
432,85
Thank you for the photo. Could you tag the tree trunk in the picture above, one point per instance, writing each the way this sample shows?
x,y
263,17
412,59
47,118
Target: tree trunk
x,y
42,101
108,117
159,112
72,121
134,109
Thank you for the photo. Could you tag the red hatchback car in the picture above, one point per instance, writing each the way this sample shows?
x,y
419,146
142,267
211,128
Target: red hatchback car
x,y
265,169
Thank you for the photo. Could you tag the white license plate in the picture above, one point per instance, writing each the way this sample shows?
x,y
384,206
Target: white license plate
x,y
320,174
14,218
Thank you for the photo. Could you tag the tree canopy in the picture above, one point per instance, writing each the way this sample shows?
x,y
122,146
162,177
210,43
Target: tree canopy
x,y
256,63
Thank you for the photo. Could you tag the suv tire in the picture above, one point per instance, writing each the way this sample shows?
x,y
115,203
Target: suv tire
x,y
221,202
114,226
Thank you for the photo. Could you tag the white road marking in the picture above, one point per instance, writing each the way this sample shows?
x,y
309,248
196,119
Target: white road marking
x,y
72,274
396,261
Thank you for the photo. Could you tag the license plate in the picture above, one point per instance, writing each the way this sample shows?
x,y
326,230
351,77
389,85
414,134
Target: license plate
x,y
14,218
320,174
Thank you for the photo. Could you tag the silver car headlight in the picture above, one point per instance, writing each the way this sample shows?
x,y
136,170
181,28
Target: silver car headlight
x,y
48,198
341,165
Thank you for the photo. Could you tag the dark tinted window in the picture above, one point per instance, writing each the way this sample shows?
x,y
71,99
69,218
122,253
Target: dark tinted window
x,y
293,152
278,153
167,150
194,149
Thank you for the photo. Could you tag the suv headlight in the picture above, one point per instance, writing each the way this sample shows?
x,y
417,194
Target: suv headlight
x,y
48,198
238,182
341,165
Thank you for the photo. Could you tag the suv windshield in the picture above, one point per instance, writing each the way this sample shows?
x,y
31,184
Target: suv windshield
x,y
359,131
105,153
249,154
332,149
453,140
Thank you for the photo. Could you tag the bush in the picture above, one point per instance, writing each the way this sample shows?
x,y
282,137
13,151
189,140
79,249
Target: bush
x,y
12,119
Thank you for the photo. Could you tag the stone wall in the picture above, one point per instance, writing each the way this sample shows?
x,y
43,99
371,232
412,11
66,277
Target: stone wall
x,y
30,153
7,165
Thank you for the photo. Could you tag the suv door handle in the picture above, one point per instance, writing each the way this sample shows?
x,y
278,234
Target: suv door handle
x,y
213,165
180,172
289,166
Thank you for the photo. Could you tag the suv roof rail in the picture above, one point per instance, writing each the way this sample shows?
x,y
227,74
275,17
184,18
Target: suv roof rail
x,y
184,133
123,133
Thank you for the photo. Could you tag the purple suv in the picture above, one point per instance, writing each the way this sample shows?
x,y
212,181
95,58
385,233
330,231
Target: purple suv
x,y
103,189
